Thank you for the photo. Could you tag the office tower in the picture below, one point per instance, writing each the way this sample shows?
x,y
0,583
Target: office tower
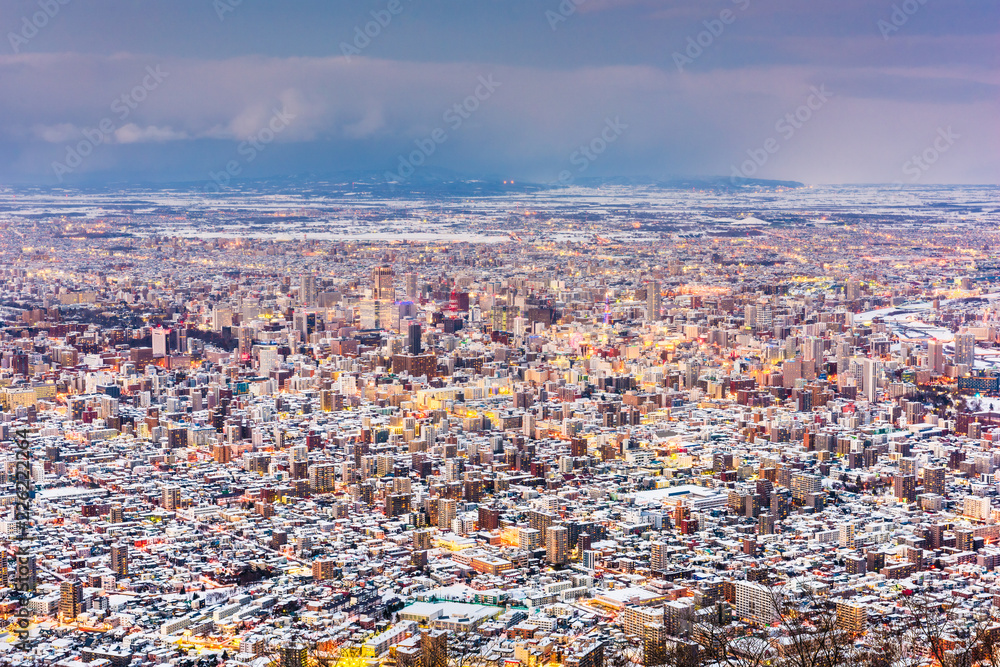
x,y
557,545
245,342
965,349
171,498
70,600
935,356
160,342
119,560
268,359
871,371
446,512
653,300
413,334
382,287
411,285
812,352
221,317
375,314
307,289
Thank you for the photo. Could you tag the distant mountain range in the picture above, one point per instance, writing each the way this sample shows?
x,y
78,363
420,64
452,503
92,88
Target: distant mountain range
x,y
429,182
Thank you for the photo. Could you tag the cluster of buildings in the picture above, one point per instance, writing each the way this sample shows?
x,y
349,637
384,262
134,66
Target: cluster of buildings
x,y
429,453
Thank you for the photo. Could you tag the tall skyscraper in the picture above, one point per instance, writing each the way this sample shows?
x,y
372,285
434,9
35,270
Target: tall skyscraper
x,y
413,334
965,349
160,337
557,545
382,287
245,342
871,371
446,512
653,300
119,560
935,356
411,285
307,289
70,600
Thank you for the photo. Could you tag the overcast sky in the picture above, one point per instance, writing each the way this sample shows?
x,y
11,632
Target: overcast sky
x,y
838,91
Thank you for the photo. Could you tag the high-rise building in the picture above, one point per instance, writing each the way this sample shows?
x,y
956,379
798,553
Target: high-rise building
x,y
307,289
119,560
382,284
851,617
847,535
446,512
413,334
294,654
557,545
70,600
934,480
965,349
268,359
935,356
659,557
434,647
755,603
852,291
653,300
245,343
904,488
803,483
871,372
171,498
411,285
160,337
